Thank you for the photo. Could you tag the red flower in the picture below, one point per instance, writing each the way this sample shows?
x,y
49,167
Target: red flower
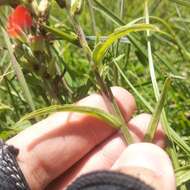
x,y
19,21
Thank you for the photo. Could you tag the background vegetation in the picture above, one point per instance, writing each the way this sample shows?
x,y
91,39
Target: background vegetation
x,y
57,71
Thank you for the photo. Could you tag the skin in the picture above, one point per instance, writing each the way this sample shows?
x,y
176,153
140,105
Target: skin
x,y
57,150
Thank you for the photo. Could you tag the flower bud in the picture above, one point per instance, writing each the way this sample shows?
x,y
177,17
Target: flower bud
x,y
19,21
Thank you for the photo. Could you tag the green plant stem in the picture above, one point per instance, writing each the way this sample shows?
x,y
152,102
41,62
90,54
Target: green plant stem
x,y
91,11
122,8
106,91
18,71
149,136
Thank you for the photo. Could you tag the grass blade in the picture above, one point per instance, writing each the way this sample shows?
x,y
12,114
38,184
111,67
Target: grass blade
x,y
107,12
18,71
145,102
149,136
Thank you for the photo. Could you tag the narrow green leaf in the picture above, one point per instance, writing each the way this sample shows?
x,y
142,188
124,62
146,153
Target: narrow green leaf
x,y
110,119
182,175
149,136
177,139
164,120
58,34
171,133
18,71
120,22
108,13
143,100
120,32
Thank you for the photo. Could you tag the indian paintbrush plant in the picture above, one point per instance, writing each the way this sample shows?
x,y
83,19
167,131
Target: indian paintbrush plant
x,y
58,55
33,47
19,22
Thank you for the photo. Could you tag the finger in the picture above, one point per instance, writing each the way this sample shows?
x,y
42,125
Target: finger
x,y
53,145
149,163
95,161
100,158
139,125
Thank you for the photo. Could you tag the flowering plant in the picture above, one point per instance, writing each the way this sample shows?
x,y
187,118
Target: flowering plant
x,y
19,22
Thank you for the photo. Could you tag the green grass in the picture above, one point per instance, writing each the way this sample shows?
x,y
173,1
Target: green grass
x,y
58,72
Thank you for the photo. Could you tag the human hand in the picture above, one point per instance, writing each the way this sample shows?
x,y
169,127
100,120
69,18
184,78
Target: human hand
x,y
60,148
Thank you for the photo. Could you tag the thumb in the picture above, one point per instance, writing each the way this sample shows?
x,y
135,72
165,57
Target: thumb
x,y
149,163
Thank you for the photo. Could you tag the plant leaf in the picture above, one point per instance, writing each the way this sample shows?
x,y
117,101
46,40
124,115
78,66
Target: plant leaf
x,y
58,34
149,136
18,71
182,175
122,31
110,119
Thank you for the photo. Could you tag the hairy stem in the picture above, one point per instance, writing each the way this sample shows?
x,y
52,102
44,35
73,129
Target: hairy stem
x,y
105,91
